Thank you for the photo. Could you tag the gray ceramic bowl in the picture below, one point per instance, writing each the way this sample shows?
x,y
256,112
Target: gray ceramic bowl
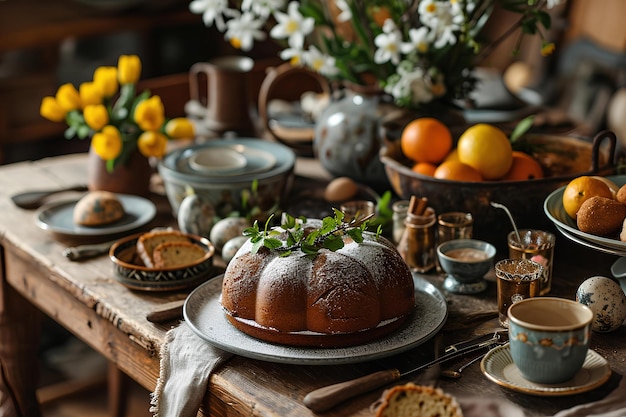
x,y
466,261
270,164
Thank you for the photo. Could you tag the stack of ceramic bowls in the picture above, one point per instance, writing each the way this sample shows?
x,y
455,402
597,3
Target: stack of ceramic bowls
x,y
221,171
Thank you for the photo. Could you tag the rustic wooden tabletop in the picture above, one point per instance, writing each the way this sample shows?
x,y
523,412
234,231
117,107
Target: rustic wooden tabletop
x,y
85,298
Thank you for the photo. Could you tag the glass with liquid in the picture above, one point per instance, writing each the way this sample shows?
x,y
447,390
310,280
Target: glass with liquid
x,y
454,225
536,245
517,279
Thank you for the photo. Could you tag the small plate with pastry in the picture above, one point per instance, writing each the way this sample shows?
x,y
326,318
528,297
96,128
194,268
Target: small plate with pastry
x,y
162,260
98,213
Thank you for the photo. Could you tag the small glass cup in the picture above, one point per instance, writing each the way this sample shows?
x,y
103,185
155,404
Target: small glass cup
x,y
454,225
417,246
357,209
517,279
536,245
400,209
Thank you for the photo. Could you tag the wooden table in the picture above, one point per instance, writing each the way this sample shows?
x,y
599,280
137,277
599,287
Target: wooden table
x,y
85,298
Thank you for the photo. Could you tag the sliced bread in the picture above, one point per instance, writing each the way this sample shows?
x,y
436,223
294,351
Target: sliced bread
x,y
147,242
412,400
173,254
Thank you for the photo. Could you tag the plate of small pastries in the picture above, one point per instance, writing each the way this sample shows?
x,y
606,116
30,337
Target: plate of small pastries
x,y
97,213
553,208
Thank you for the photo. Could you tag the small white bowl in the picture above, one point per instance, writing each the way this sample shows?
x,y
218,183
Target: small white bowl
x,y
217,161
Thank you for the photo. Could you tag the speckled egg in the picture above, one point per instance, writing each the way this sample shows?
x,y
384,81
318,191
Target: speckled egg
x,y
606,299
232,246
226,229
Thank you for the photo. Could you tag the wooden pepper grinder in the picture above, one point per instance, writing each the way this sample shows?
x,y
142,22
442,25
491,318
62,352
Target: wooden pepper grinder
x,y
417,245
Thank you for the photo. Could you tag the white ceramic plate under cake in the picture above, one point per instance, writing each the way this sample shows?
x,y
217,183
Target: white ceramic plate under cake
x,y
203,312
58,217
498,366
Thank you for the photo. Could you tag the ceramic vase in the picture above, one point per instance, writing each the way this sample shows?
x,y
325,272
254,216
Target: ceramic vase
x,y
131,177
348,137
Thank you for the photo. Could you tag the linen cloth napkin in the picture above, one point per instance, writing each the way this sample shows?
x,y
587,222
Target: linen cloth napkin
x,y
186,366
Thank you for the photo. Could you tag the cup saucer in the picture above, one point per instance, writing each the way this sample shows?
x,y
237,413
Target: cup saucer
x,y
498,366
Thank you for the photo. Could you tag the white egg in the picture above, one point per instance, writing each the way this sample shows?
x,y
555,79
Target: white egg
x,y
606,299
226,229
232,246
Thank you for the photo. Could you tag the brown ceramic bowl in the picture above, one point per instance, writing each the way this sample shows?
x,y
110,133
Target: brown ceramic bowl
x,y
130,271
562,157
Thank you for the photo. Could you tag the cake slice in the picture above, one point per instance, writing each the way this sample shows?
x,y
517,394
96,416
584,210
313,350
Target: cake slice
x,y
147,242
172,254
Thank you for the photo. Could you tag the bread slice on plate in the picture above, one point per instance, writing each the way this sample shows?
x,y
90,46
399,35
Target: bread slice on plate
x,y
412,400
173,254
147,243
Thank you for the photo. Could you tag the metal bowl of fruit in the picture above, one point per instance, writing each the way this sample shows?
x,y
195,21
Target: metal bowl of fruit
x,y
562,158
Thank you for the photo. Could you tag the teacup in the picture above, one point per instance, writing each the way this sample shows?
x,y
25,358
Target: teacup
x,y
549,338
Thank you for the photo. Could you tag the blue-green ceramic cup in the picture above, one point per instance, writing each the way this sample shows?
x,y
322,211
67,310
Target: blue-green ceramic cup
x,y
549,338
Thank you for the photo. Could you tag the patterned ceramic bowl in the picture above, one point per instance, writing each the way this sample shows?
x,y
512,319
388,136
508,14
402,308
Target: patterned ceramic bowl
x,y
131,271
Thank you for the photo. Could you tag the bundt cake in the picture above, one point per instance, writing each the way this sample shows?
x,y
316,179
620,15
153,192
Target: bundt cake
x,y
329,299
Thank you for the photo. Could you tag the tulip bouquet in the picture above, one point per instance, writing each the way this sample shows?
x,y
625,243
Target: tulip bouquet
x,y
118,120
418,51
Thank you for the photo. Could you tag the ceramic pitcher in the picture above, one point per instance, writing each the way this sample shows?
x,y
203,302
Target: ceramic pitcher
x,y
219,87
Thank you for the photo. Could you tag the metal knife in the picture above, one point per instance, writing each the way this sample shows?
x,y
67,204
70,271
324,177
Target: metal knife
x,y
78,253
325,398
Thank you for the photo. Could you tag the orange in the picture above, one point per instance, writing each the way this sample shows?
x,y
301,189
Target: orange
x,y
487,149
457,171
453,155
524,167
424,168
580,189
426,140
612,186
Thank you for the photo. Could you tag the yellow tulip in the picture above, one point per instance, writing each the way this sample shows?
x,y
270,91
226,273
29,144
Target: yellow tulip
x,y
547,48
152,143
106,78
180,128
128,69
107,144
68,97
150,113
90,93
51,110
96,116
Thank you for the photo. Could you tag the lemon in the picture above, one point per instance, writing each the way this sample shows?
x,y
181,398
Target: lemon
x,y
486,149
